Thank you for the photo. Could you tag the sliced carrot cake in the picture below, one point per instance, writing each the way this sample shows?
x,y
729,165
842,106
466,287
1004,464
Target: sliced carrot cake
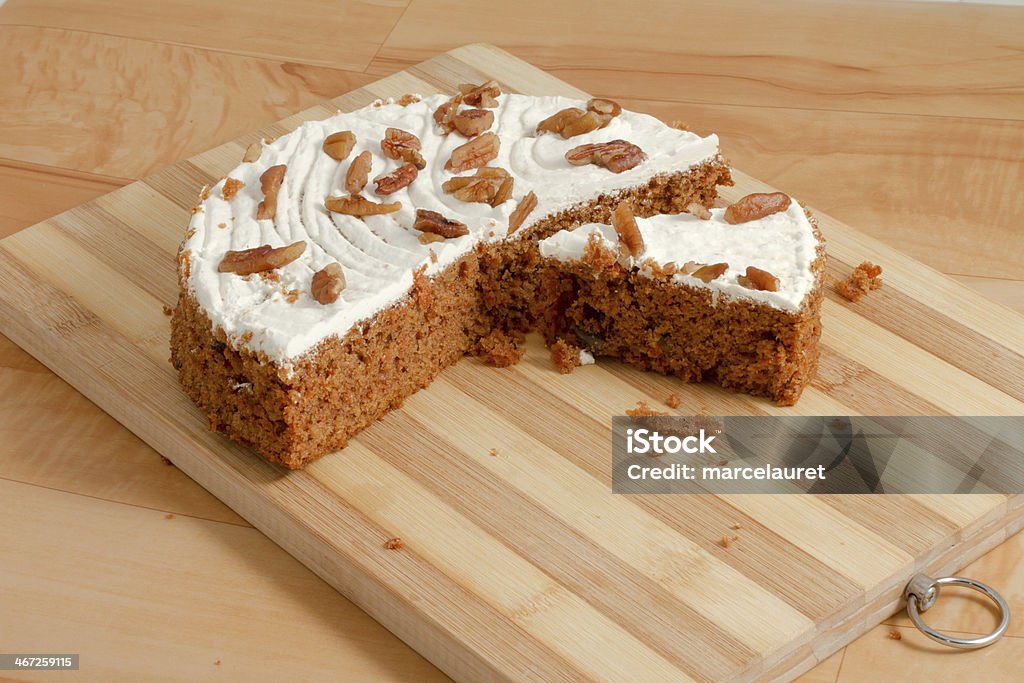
x,y
339,268
731,295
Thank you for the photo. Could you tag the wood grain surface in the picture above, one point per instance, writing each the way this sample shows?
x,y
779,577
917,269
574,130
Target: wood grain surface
x,y
955,59
523,564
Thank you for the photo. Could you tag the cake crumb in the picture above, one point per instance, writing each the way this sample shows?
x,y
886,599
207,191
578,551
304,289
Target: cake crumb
x,y
565,356
217,663
501,348
736,526
167,310
862,280
394,543
644,410
673,401
166,461
493,452
725,542
169,515
222,225
895,635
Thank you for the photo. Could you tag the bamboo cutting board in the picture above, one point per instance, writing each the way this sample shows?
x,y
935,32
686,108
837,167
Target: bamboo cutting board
x,y
522,565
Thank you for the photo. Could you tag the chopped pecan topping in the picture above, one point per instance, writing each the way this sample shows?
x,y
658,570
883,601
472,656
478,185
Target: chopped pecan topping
x,y
470,122
430,238
630,239
403,146
571,122
358,172
679,125
474,154
339,145
231,187
617,156
407,99
557,121
328,283
756,205
394,544
587,123
432,221
444,115
389,183
605,107
759,279
487,186
253,152
522,210
705,273
270,183
699,210
359,206
260,259
483,95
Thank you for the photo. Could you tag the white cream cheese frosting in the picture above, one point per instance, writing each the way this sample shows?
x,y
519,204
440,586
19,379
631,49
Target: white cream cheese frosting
x,y
379,254
784,244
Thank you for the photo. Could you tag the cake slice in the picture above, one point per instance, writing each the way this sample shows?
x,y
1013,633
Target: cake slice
x,y
731,296
341,267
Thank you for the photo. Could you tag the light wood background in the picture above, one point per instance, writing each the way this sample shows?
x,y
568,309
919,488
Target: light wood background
x,y
903,120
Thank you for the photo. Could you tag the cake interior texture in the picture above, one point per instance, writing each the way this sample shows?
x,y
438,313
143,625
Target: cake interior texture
x,y
482,304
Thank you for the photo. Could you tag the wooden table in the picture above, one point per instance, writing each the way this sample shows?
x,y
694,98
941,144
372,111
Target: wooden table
x,y
904,120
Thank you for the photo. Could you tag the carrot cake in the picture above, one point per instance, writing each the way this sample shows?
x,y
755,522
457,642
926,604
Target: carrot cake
x,y
339,268
729,295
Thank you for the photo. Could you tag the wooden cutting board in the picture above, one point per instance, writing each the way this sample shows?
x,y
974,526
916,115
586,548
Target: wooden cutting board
x,y
523,565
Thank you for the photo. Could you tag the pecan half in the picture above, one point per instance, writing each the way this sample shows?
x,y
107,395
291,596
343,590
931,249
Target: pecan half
x,y
706,273
756,205
328,283
699,210
259,259
270,184
630,239
403,146
483,95
231,187
487,186
433,222
358,172
617,156
444,115
759,279
474,154
339,145
359,206
389,183
470,122
253,152
526,205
